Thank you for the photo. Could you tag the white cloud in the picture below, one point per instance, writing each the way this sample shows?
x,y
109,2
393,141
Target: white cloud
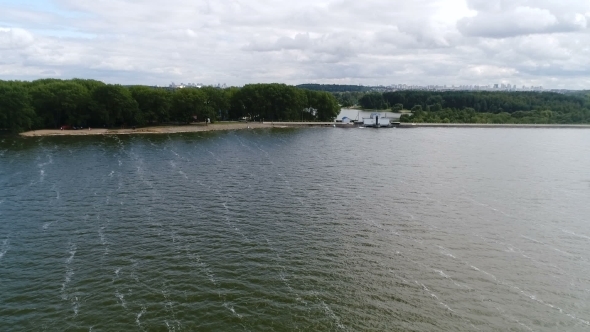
x,y
490,71
520,21
340,41
14,38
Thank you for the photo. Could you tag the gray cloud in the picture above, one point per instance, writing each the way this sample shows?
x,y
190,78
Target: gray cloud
x,y
331,41
520,21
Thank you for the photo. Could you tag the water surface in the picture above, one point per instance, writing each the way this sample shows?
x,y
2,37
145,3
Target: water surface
x,y
321,229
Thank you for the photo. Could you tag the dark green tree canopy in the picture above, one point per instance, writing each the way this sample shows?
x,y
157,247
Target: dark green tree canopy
x,y
114,105
16,113
52,103
373,100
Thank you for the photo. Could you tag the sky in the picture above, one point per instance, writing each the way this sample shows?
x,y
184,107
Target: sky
x,y
236,42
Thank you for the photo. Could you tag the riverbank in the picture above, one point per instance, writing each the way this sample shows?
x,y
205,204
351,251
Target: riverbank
x,y
150,130
490,125
254,125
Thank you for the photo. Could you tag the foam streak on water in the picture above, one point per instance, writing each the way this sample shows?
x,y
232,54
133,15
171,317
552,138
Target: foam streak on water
x,y
4,248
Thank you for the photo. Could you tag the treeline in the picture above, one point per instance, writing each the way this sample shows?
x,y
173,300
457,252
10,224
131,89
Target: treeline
x,y
334,87
469,115
349,99
52,103
489,102
483,106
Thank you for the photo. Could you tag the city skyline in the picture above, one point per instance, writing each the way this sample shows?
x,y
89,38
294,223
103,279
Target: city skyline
x,y
481,87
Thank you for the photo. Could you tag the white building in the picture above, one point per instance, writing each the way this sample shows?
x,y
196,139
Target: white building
x,y
376,120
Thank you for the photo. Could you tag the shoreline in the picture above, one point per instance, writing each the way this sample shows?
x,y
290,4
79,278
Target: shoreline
x,y
192,128
257,125
148,130
492,125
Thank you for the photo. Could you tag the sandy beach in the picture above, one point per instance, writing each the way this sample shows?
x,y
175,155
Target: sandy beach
x,y
150,130
255,125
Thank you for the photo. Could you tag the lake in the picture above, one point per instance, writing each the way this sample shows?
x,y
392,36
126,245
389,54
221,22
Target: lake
x,y
320,229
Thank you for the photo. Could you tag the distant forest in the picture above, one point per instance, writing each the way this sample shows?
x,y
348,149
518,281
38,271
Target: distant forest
x,y
53,103
334,87
477,106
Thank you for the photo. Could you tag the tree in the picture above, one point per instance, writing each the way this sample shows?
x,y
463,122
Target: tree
x,y
16,113
217,103
373,100
436,107
113,105
44,104
272,102
154,103
50,103
187,103
397,107
59,102
326,105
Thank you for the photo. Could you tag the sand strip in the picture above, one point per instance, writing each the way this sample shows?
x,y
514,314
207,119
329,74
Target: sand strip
x,y
150,130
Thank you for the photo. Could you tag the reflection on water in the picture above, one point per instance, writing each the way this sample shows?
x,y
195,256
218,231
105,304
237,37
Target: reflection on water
x,y
310,229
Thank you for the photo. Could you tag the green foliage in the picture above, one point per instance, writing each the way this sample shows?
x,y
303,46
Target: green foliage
x,y
188,103
469,115
373,100
154,103
333,87
405,118
436,107
16,113
491,102
218,102
51,103
326,105
113,105
493,107
60,103
348,99
397,107
280,102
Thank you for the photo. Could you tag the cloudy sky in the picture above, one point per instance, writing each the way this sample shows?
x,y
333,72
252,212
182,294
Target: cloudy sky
x,y
369,42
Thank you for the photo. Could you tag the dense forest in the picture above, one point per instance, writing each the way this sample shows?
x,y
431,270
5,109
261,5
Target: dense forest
x,y
334,87
483,106
468,106
53,103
